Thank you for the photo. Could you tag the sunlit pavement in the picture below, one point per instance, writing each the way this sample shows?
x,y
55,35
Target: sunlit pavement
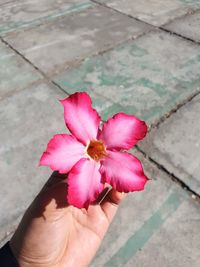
x,y
139,57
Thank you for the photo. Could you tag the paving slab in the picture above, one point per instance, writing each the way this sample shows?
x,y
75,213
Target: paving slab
x,y
175,145
68,39
154,12
28,120
146,217
148,76
176,243
20,14
188,26
15,73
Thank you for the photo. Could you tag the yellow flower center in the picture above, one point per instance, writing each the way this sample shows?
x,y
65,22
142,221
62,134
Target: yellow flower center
x,y
96,150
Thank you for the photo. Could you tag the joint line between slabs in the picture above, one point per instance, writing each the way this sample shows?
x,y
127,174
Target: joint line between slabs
x,y
40,21
127,15
175,109
179,35
44,77
151,25
174,178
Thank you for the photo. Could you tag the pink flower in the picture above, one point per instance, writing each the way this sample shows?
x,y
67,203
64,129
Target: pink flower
x,y
92,155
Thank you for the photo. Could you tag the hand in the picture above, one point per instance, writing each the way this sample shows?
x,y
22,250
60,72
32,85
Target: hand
x,y
54,234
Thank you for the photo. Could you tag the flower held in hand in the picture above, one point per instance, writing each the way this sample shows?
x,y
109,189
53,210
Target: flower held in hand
x,y
92,156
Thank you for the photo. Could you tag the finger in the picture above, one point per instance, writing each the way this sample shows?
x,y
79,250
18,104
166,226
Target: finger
x,y
111,203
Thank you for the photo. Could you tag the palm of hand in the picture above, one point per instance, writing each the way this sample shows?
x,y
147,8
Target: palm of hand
x,y
53,234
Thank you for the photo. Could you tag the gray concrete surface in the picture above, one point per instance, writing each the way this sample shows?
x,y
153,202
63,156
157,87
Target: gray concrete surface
x,y
179,235
154,12
96,30
158,69
15,72
130,56
188,26
176,145
19,14
27,122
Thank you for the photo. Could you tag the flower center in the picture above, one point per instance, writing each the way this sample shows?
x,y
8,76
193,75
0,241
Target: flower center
x,y
96,150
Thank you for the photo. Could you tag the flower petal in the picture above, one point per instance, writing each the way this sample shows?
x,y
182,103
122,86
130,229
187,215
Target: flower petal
x,y
123,131
84,183
123,171
81,119
62,153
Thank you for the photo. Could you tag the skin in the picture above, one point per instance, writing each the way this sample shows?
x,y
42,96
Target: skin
x,y
55,234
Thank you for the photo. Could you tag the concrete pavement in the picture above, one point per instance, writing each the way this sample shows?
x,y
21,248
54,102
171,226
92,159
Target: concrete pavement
x,y
140,57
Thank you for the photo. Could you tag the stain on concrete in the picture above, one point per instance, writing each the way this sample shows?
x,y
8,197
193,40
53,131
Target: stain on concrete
x,y
139,238
148,76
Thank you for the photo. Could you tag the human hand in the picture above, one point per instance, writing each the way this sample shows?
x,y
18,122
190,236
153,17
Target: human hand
x,y
54,234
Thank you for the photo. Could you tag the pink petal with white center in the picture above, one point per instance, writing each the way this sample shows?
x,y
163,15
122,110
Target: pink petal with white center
x,y
123,171
122,131
84,183
62,153
81,119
